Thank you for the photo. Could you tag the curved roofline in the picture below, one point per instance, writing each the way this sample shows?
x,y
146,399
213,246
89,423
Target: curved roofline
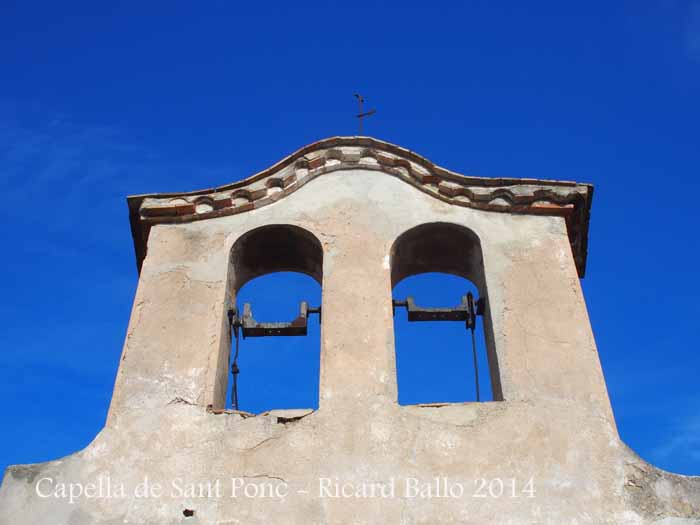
x,y
506,195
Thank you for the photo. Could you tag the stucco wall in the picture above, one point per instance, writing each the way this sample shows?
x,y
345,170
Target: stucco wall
x,y
554,426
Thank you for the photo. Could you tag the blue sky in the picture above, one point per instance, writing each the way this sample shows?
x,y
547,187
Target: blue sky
x,y
99,101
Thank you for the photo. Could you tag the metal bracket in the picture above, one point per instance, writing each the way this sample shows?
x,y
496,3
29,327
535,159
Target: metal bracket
x,y
466,311
251,328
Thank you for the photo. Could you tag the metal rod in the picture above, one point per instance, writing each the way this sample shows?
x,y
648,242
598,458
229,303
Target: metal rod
x,y
362,114
235,324
360,100
472,310
476,366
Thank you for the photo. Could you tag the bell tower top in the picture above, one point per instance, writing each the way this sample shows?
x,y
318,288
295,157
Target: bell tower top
x,y
359,216
566,199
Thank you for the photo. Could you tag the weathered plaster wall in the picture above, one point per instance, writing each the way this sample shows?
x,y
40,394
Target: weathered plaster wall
x,y
555,424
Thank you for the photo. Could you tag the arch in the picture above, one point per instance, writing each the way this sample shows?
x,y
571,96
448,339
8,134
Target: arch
x,y
275,248
438,247
448,248
283,250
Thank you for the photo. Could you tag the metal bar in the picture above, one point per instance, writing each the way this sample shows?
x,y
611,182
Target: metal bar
x,y
252,328
471,325
234,365
417,313
467,310
476,366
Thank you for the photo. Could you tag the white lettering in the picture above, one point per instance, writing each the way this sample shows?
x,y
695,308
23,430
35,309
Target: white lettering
x,y
38,492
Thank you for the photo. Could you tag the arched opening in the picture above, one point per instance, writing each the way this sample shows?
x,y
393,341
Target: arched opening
x,y
438,277
275,270
276,248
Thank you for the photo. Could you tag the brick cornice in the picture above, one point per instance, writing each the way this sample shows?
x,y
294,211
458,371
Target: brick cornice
x,y
566,199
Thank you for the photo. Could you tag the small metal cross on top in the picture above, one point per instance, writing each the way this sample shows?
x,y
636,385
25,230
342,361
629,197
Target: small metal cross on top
x,y
361,114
